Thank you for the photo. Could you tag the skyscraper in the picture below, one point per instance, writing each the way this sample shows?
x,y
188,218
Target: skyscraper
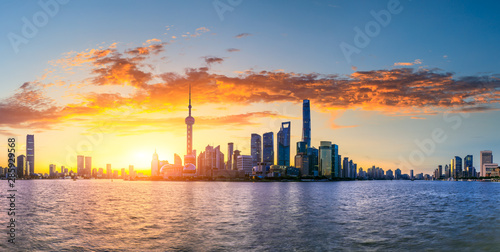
x,y
268,148
21,162
453,169
458,167
256,149
219,158
468,164
210,159
346,168
486,158
189,158
306,122
80,165
109,173
236,154
325,159
230,148
440,171
155,163
52,170
30,153
335,161
302,161
284,144
88,166
397,173
313,155
131,172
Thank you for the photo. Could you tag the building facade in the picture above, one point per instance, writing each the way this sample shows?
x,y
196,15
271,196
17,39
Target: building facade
x,y
284,144
256,149
268,148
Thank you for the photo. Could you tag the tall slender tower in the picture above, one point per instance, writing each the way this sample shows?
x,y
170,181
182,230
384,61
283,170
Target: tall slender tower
x,y
230,147
189,158
306,123
30,153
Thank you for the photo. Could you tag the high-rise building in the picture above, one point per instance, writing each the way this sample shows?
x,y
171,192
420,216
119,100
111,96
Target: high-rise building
x,y
155,165
325,159
335,161
88,165
388,174
80,162
397,173
123,173
313,154
468,165
486,157
457,161
346,168
219,158
256,149
302,159
354,167
131,172
440,172
109,173
210,159
230,150
30,153
244,163
52,170
306,123
411,174
268,148
236,154
189,158
21,162
284,144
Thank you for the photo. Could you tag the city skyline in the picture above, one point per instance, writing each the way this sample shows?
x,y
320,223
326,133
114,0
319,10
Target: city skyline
x,y
117,96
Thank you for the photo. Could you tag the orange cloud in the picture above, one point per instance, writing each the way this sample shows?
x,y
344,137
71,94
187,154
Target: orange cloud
x,y
396,91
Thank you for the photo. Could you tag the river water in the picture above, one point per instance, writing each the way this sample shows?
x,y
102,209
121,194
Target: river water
x,y
104,215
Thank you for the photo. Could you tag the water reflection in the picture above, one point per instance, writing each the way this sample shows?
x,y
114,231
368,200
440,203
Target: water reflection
x,y
222,216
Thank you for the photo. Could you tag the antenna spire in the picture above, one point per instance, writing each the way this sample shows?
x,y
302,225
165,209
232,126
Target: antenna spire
x,y
189,99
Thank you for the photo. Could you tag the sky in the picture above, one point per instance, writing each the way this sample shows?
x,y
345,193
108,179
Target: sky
x,y
396,84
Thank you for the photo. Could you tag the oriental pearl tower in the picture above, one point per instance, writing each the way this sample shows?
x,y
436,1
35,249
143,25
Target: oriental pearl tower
x,y
189,158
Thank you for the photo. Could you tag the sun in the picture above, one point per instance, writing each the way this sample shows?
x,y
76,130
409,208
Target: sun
x,y
141,159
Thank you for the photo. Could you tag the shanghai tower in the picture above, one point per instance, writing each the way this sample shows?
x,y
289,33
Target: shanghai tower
x,y
306,123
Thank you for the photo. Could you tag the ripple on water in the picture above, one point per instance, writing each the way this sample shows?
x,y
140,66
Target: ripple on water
x,y
213,216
